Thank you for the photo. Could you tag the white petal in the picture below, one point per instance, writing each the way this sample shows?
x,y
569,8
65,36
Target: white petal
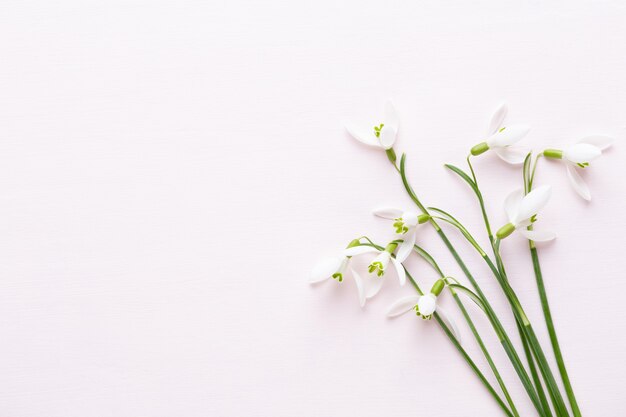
x,y
400,270
373,286
392,119
362,134
533,202
406,247
403,305
360,286
427,304
512,204
509,136
511,154
498,118
577,182
598,141
387,137
537,235
387,213
581,152
359,250
325,269
449,322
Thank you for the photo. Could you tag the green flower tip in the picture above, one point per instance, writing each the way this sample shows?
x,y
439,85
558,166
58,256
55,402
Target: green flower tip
x,y
353,243
553,153
480,148
438,286
391,247
377,129
423,218
505,231
378,267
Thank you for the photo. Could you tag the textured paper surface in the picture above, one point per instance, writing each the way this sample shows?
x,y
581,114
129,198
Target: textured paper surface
x,y
170,171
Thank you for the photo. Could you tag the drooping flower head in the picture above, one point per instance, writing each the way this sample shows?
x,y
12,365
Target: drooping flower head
x,y
379,133
502,138
338,267
522,210
379,266
424,306
577,157
405,224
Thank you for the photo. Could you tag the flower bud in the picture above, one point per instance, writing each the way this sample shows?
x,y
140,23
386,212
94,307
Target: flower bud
x,y
553,153
480,148
391,247
505,231
438,286
423,218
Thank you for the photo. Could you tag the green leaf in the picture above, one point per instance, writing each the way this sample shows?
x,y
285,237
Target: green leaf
x,y
448,218
428,258
472,296
463,175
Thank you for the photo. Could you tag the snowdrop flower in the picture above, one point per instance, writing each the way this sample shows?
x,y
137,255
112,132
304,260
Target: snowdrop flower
x,y
501,138
337,267
424,306
522,211
578,156
379,265
381,134
405,224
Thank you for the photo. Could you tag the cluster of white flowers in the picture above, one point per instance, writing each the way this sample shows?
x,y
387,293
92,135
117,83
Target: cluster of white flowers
x,y
521,209
577,156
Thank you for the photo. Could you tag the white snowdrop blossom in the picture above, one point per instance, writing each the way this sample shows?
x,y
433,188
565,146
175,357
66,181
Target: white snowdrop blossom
x,y
424,306
338,267
502,138
382,133
379,265
578,156
405,224
522,210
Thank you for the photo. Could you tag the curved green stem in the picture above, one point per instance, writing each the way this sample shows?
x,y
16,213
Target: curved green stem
x,y
468,359
472,327
527,352
500,331
449,333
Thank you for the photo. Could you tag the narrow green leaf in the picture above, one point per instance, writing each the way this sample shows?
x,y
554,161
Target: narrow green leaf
x,y
463,175
472,296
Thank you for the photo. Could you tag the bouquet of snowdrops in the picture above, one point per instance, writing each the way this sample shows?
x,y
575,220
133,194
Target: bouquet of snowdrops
x,y
522,208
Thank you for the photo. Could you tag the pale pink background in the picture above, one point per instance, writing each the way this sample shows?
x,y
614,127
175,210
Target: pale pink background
x,y
170,170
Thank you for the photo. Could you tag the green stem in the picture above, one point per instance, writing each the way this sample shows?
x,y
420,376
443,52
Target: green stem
x,y
465,356
529,333
529,177
472,327
527,353
533,373
480,342
450,335
552,332
504,339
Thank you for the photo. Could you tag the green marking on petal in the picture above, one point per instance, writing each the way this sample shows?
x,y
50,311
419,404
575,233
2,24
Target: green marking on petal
x,y
376,267
377,129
